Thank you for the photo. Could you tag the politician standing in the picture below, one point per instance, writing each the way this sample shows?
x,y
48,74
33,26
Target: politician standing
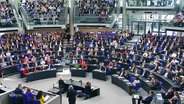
x,y
71,94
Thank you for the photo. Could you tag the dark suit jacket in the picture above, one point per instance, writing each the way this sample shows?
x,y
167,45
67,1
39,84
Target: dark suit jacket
x,y
148,99
88,90
71,94
18,91
170,75
61,83
182,85
169,95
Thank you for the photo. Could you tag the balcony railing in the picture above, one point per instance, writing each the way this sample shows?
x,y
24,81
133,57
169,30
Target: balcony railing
x,y
44,21
150,3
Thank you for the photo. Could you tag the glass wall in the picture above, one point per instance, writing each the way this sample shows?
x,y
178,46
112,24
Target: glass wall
x,y
10,20
91,12
51,17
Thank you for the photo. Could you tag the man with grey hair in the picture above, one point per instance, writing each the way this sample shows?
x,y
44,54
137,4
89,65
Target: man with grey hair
x,y
71,94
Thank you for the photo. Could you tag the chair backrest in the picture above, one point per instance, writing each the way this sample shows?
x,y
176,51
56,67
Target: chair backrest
x,y
137,86
35,101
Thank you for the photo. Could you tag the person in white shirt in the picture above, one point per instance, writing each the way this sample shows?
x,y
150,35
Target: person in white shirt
x,y
145,54
135,82
42,62
8,54
174,61
132,52
174,55
3,64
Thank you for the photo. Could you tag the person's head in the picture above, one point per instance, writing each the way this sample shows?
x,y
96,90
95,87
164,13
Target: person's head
x,y
88,84
144,70
28,89
20,86
39,95
151,92
182,79
170,89
70,87
60,79
176,93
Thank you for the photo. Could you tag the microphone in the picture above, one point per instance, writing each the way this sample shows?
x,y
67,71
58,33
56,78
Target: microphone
x,y
71,80
80,82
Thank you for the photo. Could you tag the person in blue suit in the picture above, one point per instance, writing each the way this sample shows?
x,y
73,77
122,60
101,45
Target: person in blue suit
x,y
18,90
145,100
30,95
169,94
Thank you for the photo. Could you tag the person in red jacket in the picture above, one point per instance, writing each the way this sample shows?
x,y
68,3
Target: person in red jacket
x,y
26,71
83,64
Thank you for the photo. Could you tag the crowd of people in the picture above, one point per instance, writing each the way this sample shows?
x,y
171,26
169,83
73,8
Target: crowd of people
x,y
30,51
178,19
86,48
169,63
166,3
21,92
162,54
97,7
7,16
51,11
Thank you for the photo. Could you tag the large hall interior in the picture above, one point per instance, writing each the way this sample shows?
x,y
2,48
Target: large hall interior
x,y
91,51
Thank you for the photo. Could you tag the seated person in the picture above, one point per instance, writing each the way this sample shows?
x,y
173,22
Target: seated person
x,y
30,95
126,75
57,61
151,66
111,65
182,84
173,100
49,63
169,94
174,61
144,73
155,83
145,100
135,82
18,90
122,72
176,77
136,71
150,76
3,63
75,62
26,70
26,60
101,67
88,90
61,83
133,67
161,70
40,97
168,74
83,64
42,62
